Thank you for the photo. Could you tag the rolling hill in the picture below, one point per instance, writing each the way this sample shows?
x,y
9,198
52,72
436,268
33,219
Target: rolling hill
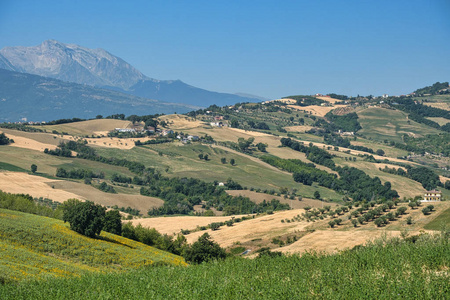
x,y
36,247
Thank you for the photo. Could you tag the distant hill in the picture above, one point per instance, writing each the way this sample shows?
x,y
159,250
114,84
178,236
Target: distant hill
x,y
437,88
38,98
97,67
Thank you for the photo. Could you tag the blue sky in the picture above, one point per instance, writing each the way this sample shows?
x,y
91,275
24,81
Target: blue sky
x,y
267,48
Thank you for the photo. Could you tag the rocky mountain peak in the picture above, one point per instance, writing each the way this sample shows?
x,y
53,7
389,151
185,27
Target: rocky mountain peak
x,y
70,62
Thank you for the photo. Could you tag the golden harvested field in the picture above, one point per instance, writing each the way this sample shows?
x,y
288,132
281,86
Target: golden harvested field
x,y
264,228
89,127
316,110
294,204
181,122
173,225
111,142
88,192
331,241
28,143
36,186
61,190
317,236
329,99
301,129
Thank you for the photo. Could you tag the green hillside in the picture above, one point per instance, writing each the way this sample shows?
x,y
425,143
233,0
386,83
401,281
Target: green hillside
x,y
386,269
381,123
35,247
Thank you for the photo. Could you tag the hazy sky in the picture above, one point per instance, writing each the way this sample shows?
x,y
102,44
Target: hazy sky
x,y
267,48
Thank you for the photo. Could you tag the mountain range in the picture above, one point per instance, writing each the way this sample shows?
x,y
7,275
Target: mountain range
x,y
30,97
100,69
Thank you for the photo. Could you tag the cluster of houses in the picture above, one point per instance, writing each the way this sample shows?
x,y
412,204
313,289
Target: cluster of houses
x,y
188,138
218,122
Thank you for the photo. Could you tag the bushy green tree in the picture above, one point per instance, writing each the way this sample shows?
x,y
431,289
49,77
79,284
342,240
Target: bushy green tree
x,y
33,168
84,217
204,249
113,222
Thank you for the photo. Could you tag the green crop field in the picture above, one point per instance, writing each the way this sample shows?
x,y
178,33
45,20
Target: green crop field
x,y
380,124
390,269
35,247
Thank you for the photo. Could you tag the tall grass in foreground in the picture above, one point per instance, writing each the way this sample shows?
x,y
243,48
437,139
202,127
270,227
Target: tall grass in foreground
x,y
391,269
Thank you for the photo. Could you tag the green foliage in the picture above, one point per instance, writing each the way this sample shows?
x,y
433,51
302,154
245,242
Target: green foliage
x,y
348,122
203,250
4,140
26,204
84,217
112,222
432,90
33,168
104,187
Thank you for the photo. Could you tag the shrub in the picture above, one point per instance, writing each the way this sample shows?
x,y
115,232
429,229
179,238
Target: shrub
x,y
426,211
204,249
409,220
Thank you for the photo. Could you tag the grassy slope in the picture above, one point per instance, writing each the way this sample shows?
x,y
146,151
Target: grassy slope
x,y
382,123
441,221
38,247
182,161
390,270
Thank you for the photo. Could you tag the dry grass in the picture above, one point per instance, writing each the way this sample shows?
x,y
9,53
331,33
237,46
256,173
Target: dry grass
x,y
36,186
88,192
174,225
329,99
28,143
316,110
110,142
89,127
61,190
264,228
333,240
181,122
301,129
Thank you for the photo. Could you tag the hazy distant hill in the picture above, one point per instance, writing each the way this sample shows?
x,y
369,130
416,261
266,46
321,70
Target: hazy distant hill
x,y
97,67
40,98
